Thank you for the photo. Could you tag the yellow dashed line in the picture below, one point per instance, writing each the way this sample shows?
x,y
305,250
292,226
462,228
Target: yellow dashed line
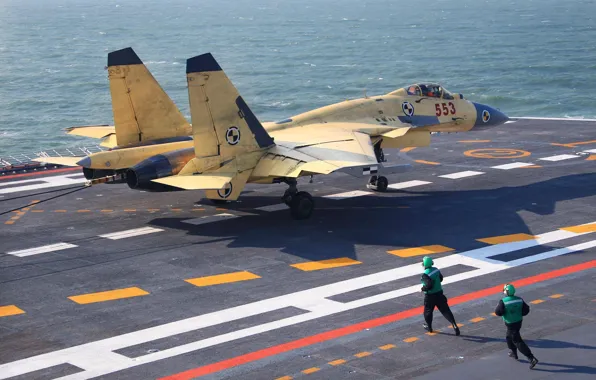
x,y
506,238
435,332
573,145
337,362
198,209
311,370
477,319
59,210
535,302
325,264
556,296
408,149
8,310
9,222
419,251
37,210
107,210
362,354
427,162
109,295
581,229
222,278
387,347
285,378
130,210
410,340
83,210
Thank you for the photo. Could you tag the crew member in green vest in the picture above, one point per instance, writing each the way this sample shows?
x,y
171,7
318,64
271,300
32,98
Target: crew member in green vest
x,y
433,295
513,309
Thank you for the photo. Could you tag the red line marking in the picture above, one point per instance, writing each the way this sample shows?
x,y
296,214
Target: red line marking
x,y
38,173
347,330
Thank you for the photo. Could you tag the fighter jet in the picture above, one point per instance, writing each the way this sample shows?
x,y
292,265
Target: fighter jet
x,y
227,146
146,122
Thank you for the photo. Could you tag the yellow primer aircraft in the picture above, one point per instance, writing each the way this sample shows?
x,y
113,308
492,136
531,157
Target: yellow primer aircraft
x,y
229,147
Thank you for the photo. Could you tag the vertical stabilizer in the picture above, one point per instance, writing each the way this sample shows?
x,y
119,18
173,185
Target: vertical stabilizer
x,y
142,109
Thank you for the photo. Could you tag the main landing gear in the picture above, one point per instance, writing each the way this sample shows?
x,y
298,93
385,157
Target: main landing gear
x,y
378,183
300,203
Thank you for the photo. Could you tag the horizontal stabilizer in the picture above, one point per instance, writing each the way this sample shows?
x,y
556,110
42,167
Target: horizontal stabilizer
x,y
109,141
197,182
66,161
398,132
93,131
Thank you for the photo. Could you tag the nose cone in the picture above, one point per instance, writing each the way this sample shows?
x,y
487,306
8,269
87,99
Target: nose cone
x,y
85,162
488,117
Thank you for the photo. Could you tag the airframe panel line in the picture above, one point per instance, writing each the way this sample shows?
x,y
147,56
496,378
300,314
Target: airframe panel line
x,y
97,358
61,180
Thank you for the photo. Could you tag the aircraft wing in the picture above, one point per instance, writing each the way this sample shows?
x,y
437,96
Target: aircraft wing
x,y
197,182
107,133
66,161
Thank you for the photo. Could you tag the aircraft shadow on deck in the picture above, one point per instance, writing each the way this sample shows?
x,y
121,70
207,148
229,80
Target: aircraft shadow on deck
x,y
451,218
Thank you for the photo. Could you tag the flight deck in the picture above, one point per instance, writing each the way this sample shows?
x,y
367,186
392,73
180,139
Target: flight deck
x,y
113,283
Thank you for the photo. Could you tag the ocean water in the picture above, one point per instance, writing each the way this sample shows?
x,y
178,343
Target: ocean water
x,y
526,57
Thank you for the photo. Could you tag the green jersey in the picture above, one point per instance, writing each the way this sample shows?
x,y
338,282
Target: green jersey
x,y
436,277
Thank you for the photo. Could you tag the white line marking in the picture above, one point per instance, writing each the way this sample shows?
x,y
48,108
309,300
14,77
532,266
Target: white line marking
x,y
130,233
590,151
210,219
407,184
61,180
42,249
98,358
554,118
513,165
510,121
348,194
458,175
270,208
560,157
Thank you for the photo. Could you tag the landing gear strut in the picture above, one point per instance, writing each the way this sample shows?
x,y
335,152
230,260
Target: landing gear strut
x,y
300,202
378,183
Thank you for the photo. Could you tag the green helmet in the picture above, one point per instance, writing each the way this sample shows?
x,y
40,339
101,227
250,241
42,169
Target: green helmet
x,y
427,262
509,289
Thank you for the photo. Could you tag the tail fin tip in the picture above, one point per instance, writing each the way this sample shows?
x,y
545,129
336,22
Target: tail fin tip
x,y
126,56
202,63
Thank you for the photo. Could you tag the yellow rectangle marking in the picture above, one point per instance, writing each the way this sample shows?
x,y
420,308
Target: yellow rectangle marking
x,y
435,332
337,362
285,378
107,210
477,319
83,210
198,209
581,229
37,210
506,238
410,340
25,209
325,264
9,222
419,251
408,149
60,211
474,141
222,278
8,310
535,302
130,210
311,370
109,295
362,354
387,347
427,162
556,296
15,217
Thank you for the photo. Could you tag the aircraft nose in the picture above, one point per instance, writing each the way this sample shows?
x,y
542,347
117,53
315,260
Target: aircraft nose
x,y
487,116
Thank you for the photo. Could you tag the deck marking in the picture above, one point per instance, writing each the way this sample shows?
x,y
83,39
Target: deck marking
x,y
61,180
477,319
575,144
325,264
210,218
8,310
42,249
419,251
109,295
556,296
41,172
410,340
506,238
427,162
387,347
591,158
130,233
98,358
513,165
362,354
590,151
474,141
559,157
271,208
458,175
337,362
225,278
496,153
407,184
285,378
348,194
408,149
311,370
535,302
583,228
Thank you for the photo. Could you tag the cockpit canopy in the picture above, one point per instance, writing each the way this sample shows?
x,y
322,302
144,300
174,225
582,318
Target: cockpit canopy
x,y
431,90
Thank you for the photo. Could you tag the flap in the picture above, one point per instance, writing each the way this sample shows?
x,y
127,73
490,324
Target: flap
x,y
66,161
396,132
197,182
93,131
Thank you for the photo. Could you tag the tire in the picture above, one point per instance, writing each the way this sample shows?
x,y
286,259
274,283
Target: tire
x,y
382,184
301,205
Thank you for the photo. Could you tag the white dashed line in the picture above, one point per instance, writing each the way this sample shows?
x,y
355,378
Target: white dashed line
x,y
459,175
590,151
130,233
210,219
560,157
513,165
271,208
405,185
510,121
47,182
348,194
43,249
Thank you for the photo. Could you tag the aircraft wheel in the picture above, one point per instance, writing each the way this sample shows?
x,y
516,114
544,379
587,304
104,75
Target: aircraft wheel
x,y
301,205
382,184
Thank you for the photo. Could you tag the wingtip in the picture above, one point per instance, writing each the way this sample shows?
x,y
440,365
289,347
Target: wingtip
x,y
126,56
202,63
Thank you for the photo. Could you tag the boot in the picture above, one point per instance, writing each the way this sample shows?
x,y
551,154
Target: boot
x,y
533,362
427,327
513,355
456,329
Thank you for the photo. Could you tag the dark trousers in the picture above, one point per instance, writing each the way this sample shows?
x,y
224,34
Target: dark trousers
x,y
515,341
440,301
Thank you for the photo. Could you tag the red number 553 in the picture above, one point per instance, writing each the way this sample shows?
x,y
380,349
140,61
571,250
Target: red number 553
x,y
442,109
